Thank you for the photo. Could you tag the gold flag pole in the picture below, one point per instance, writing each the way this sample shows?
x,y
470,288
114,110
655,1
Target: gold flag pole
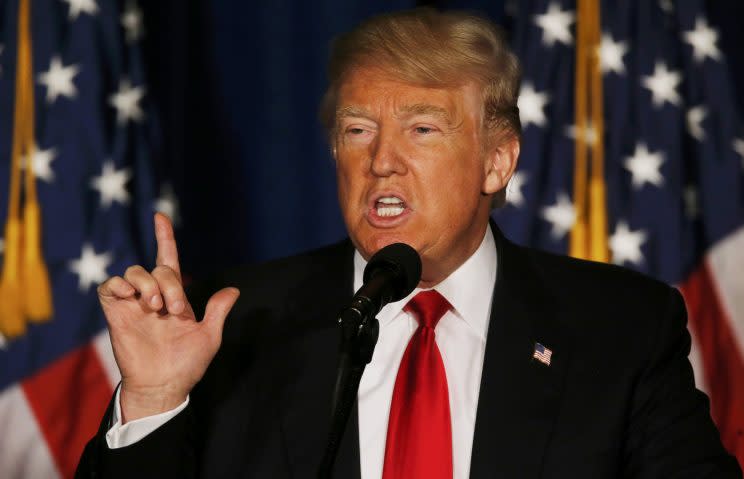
x,y
588,239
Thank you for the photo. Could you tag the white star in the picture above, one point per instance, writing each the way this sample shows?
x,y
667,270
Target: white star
x,y
644,166
531,105
2,47
126,102
112,184
626,244
703,41
167,203
84,6
666,5
611,55
739,149
692,202
91,267
41,163
561,216
58,80
695,117
556,25
131,20
514,193
2,245
3,342
663,84
590,134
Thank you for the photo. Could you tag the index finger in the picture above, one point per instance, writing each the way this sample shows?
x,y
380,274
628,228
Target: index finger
x,y
167,250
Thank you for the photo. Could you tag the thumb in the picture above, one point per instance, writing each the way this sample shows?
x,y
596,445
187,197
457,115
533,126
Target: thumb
x,y
218,307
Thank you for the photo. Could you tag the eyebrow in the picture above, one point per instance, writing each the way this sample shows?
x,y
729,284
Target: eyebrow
x,y
426,109
352,111
407,110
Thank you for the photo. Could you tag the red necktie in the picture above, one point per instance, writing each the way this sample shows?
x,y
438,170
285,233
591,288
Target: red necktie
x,y
419,436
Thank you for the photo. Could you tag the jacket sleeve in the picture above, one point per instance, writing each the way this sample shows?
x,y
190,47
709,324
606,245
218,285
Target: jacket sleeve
x,y
670,430
166,452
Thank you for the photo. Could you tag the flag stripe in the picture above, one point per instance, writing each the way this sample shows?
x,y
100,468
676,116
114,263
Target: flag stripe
x,y
722,362
102,343
23,451
726,261
68,399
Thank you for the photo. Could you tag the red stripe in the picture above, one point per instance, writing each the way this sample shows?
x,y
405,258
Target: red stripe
x,y
68,398
722,362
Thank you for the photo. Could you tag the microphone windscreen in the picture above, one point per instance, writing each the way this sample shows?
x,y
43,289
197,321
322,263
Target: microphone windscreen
x,y
405,264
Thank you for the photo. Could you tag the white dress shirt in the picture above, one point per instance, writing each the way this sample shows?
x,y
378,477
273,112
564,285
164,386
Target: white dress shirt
x,y
460,336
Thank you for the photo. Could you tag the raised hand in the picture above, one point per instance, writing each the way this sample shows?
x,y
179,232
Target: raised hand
x,y
160,348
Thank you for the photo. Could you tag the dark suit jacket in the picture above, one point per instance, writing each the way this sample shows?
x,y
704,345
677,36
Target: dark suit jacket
x,y
617,400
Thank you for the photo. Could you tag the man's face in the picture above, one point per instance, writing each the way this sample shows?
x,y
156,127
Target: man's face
x,y
411,168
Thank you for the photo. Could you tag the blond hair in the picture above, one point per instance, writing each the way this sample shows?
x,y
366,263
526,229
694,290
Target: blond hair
x,y
432,48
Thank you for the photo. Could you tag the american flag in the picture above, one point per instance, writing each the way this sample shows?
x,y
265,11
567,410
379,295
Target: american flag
x,y
673,166
94,132
542,354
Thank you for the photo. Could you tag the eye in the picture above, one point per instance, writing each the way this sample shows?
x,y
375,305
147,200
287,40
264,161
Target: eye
x,y
355,130
424,130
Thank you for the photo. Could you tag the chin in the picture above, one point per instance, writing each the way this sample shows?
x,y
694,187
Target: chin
x,y
371,244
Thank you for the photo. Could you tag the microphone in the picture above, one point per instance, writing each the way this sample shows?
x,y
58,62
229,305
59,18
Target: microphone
x,y
391,274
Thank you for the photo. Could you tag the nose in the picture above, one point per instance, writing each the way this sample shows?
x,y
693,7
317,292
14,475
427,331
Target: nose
x,y
387,158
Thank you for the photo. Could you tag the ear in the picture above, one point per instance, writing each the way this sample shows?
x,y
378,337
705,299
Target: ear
x,y
501,161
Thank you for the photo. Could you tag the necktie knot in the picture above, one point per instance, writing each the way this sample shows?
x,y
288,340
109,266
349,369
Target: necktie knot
x,y
428,307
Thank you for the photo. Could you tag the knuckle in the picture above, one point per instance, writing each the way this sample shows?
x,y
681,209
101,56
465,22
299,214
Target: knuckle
x,y
134,270
173,291
162,271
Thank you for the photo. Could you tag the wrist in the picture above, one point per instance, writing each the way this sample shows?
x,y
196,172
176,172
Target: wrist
x,y
137,403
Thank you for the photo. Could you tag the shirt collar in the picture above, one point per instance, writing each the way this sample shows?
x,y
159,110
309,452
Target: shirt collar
x,y
469,289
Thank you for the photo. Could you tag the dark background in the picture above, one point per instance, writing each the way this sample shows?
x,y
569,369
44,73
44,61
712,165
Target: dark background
x,y
237,84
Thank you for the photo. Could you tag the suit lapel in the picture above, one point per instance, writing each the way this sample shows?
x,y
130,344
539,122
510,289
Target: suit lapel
x,y
306,413
519,396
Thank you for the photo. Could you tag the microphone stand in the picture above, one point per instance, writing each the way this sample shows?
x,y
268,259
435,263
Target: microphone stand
x,y
358,340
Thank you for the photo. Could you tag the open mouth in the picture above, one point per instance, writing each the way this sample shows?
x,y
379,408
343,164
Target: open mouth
x,y
389,206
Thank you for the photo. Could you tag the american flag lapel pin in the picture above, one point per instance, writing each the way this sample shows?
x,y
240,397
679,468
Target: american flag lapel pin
x,y
542,354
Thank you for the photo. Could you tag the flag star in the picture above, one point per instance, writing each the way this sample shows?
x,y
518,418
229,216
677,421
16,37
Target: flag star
x,y
644,166
131,20
561,216
695,117
2,245
112,184
531,105
126,102
692,202
626,244
739,149
81,6
556,25
703,41
2,47
167,203
514,194
3,341
663,84
41,163
611,55
90,267
590,133
59,80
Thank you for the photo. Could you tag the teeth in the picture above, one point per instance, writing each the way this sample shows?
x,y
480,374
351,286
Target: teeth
x,y
390,200
389,211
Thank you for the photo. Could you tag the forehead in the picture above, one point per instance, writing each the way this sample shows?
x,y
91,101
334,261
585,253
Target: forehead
x,y
375,91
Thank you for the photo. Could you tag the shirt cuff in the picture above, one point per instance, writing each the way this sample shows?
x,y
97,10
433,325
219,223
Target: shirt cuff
x,y
122,435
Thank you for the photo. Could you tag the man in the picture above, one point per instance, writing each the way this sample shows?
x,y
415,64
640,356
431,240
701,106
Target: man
x,y
505,362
